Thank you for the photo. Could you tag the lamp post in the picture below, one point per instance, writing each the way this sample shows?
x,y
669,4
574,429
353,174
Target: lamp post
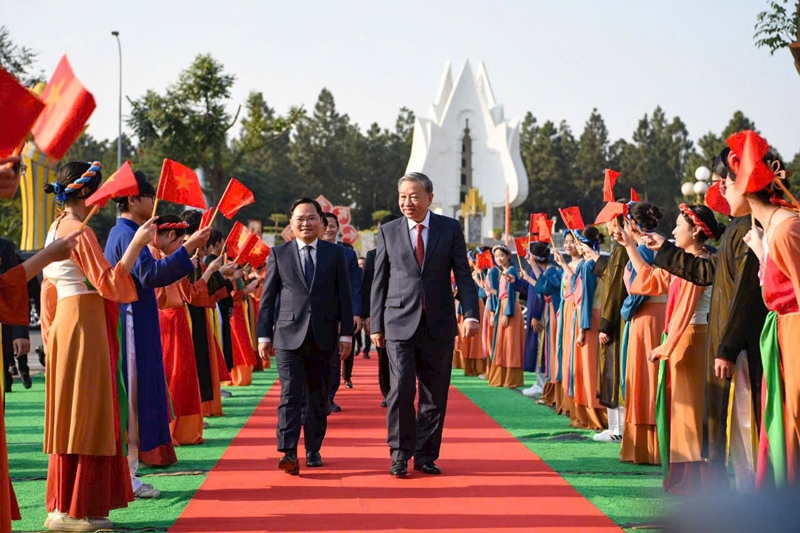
x,y
119,133
698,188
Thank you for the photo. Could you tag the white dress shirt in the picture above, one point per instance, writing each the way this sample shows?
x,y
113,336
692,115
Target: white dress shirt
x,y
300,246
412,234
412,231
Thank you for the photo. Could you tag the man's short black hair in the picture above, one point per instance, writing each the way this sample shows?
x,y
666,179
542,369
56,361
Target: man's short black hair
x,y
146,190
193,217
307,200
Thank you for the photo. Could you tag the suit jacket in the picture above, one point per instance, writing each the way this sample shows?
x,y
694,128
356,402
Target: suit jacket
x,y
8,260
399,285
322,307
355,279
366,282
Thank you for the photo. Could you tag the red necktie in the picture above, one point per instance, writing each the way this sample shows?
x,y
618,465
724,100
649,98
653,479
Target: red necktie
x,y
419,252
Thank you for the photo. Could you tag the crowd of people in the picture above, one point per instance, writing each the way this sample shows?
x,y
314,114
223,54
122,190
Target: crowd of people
x,y
679,351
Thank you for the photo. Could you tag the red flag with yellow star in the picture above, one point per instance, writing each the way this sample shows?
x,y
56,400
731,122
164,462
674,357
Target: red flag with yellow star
x,y
259,253
67,108
179,184
121,183
235,197
521,244
208,216
19,108
572,218
608,184
237,239
246,247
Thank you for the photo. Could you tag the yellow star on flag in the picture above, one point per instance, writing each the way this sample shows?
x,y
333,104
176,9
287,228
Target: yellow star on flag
x,y
183,182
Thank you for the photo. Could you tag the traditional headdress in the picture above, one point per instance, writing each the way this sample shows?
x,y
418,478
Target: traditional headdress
x,y
61,191
172,225
691,215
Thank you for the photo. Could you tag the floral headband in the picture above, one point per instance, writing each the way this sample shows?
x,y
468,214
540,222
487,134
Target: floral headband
x,y
691,215
61,191
502,247
594,245
172,225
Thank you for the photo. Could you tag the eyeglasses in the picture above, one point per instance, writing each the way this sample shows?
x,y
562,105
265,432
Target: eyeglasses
x,y
722,184
306,220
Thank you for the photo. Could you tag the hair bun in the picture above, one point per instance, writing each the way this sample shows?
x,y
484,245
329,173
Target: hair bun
x,y
601,238
48,188
655,212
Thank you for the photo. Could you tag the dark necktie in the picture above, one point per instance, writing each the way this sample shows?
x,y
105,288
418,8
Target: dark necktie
x,y
308,266
419,251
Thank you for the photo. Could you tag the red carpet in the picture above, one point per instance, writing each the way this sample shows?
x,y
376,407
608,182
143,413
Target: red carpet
x,y
491,482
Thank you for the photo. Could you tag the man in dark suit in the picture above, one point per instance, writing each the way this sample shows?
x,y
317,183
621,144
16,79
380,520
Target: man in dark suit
x,y
366,288
331,234
310,279
413,315
15,339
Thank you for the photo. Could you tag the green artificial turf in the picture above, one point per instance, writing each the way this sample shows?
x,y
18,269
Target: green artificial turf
x,y
631,495
28,465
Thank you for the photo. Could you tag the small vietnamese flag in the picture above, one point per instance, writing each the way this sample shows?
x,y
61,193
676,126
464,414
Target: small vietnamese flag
x,y
545,229
485,260
208,216
68,106
717,201
608,184
237,238
539,228
179,184
572,218
235,197
245,248
258,255
611,211
634,195
19,108
521,244
745,160
121,183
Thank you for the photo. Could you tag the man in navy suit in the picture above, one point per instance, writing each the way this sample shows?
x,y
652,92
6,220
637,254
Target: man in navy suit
x,y
309,278
330,234
413,315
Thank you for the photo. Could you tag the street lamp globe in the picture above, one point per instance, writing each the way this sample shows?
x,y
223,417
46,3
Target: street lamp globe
x,y
701,187
702,174
687,189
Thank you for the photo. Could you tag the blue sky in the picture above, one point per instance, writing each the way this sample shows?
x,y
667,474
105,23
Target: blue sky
x,y
556,59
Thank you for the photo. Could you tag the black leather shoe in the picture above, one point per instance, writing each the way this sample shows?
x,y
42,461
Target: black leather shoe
x,y
429,468
366,356
335,408
26,378
384,404
348,384
399,469
290,464
313,459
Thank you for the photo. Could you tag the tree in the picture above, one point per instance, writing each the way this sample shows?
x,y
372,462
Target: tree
x,y
189,123
779,28
549,155
655,163
18,60
379,214
591,160
279,218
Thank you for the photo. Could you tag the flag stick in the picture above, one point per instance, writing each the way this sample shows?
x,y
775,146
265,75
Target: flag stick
x,y
155,208
92,213
787,193
211,222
